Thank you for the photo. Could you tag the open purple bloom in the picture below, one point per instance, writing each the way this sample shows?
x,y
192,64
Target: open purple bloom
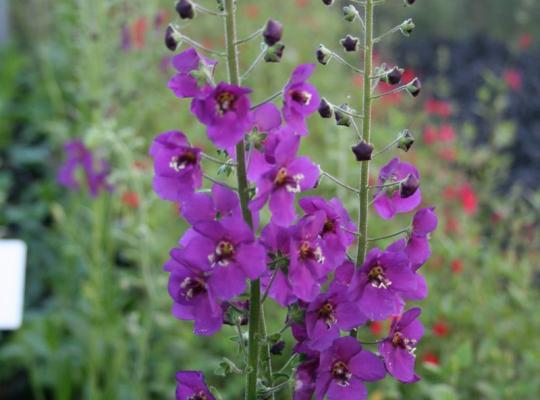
x,y
177,166
95,172
191,386
306,378
391,200
280,183
416,247
221,202
193,69
343,369
382,283
329,313
225,112
192,295
300,98
398,348
336,240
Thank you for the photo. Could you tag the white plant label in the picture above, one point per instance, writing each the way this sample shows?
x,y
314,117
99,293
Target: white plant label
x,y
12,271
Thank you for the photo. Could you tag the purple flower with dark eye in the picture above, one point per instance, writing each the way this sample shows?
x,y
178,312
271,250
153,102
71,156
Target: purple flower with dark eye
x,y
229,250
177,166
219,203
416,247
194,70
382,283
300,98
306,378
191,386
193,297
286,177
391,199
329,313
334,234
398,348
225,112
343,369
80,157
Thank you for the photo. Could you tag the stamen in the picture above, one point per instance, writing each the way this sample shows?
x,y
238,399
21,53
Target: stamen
x,y
340,372
378,279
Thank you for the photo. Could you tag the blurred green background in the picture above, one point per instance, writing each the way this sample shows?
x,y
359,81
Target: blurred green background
x,y
97,314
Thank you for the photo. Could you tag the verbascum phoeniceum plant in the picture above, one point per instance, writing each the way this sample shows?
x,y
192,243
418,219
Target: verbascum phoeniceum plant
x,y
230,261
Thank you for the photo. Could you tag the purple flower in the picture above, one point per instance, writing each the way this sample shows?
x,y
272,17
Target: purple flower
x,y
328,314
336,240
300,98
389,200
193,70
225,112
416,247
221,202
305,379
80,157
279,184
343,369
191,386
383,282
398,348
177,166
228,250
192,294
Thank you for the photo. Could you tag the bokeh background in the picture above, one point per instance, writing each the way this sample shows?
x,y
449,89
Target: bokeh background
x,y
97,314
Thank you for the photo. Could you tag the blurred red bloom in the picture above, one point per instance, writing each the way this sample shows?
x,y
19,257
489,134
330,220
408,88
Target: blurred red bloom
x,y
130,199
525,41
441,108
468,198
457,266
138,32
448,154
513,79
496,217
440,329
302,3
252,10
447,133
376,327
430,358
430,135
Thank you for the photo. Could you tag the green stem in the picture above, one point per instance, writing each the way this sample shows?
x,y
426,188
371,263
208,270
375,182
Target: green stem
x,y
255,288
366,133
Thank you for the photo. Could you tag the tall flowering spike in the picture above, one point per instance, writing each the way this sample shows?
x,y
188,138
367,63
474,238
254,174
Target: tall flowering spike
x,y
399,347
388,200
343,369
382,284
225,112
300,98
176,165
194,70
190,385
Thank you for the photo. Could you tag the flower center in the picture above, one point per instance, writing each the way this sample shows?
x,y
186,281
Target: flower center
x,y
307,252
301,96
399,340
225,102
329,226
378,279
326,313
192,287
180,162
341,373
291,183
223,253
200,395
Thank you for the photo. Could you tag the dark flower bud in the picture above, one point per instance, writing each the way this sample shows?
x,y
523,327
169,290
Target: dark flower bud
x,y
272,32
414,87
323,55
409,186
406,140
350,13
274,53
328,2
393,77
172,38
342,118
350,43
325,109
362,151
409,2
185,9
277,348
235,312
220,5
407,27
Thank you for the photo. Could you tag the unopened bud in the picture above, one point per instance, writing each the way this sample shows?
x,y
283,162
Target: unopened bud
x,y
409,2
350,13
185,9
342,118
409,186
325,109
407,27
393,77
406,140
172,38
272,32
328,2
274,53
220,5
414,87
362,151
350,43
235,312
277,348
323,55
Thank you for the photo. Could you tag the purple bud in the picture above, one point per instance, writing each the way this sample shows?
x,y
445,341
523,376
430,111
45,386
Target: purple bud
x,y
362,151
323,55
350,43
414,87
393,77
409,2
277,348
272,32
171,39
406,140
409,186
274,53
185,9
328,2
325,109
342,118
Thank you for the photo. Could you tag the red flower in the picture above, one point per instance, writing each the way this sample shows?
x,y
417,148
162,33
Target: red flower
x,y
525,41
440,329
447,133
431,135
430,358
441,108
513,78
252,11
130,199
457,266
138,32
468,198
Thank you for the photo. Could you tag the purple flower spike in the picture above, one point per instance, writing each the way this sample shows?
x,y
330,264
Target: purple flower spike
x,y
388,200
192,295
398,348
225,112
381,284
193,69
336,239
280,183
177,166
343,369
328,314
191,386
300,98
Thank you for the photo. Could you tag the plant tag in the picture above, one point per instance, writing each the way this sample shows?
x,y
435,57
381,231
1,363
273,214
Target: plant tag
x,y
12,270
